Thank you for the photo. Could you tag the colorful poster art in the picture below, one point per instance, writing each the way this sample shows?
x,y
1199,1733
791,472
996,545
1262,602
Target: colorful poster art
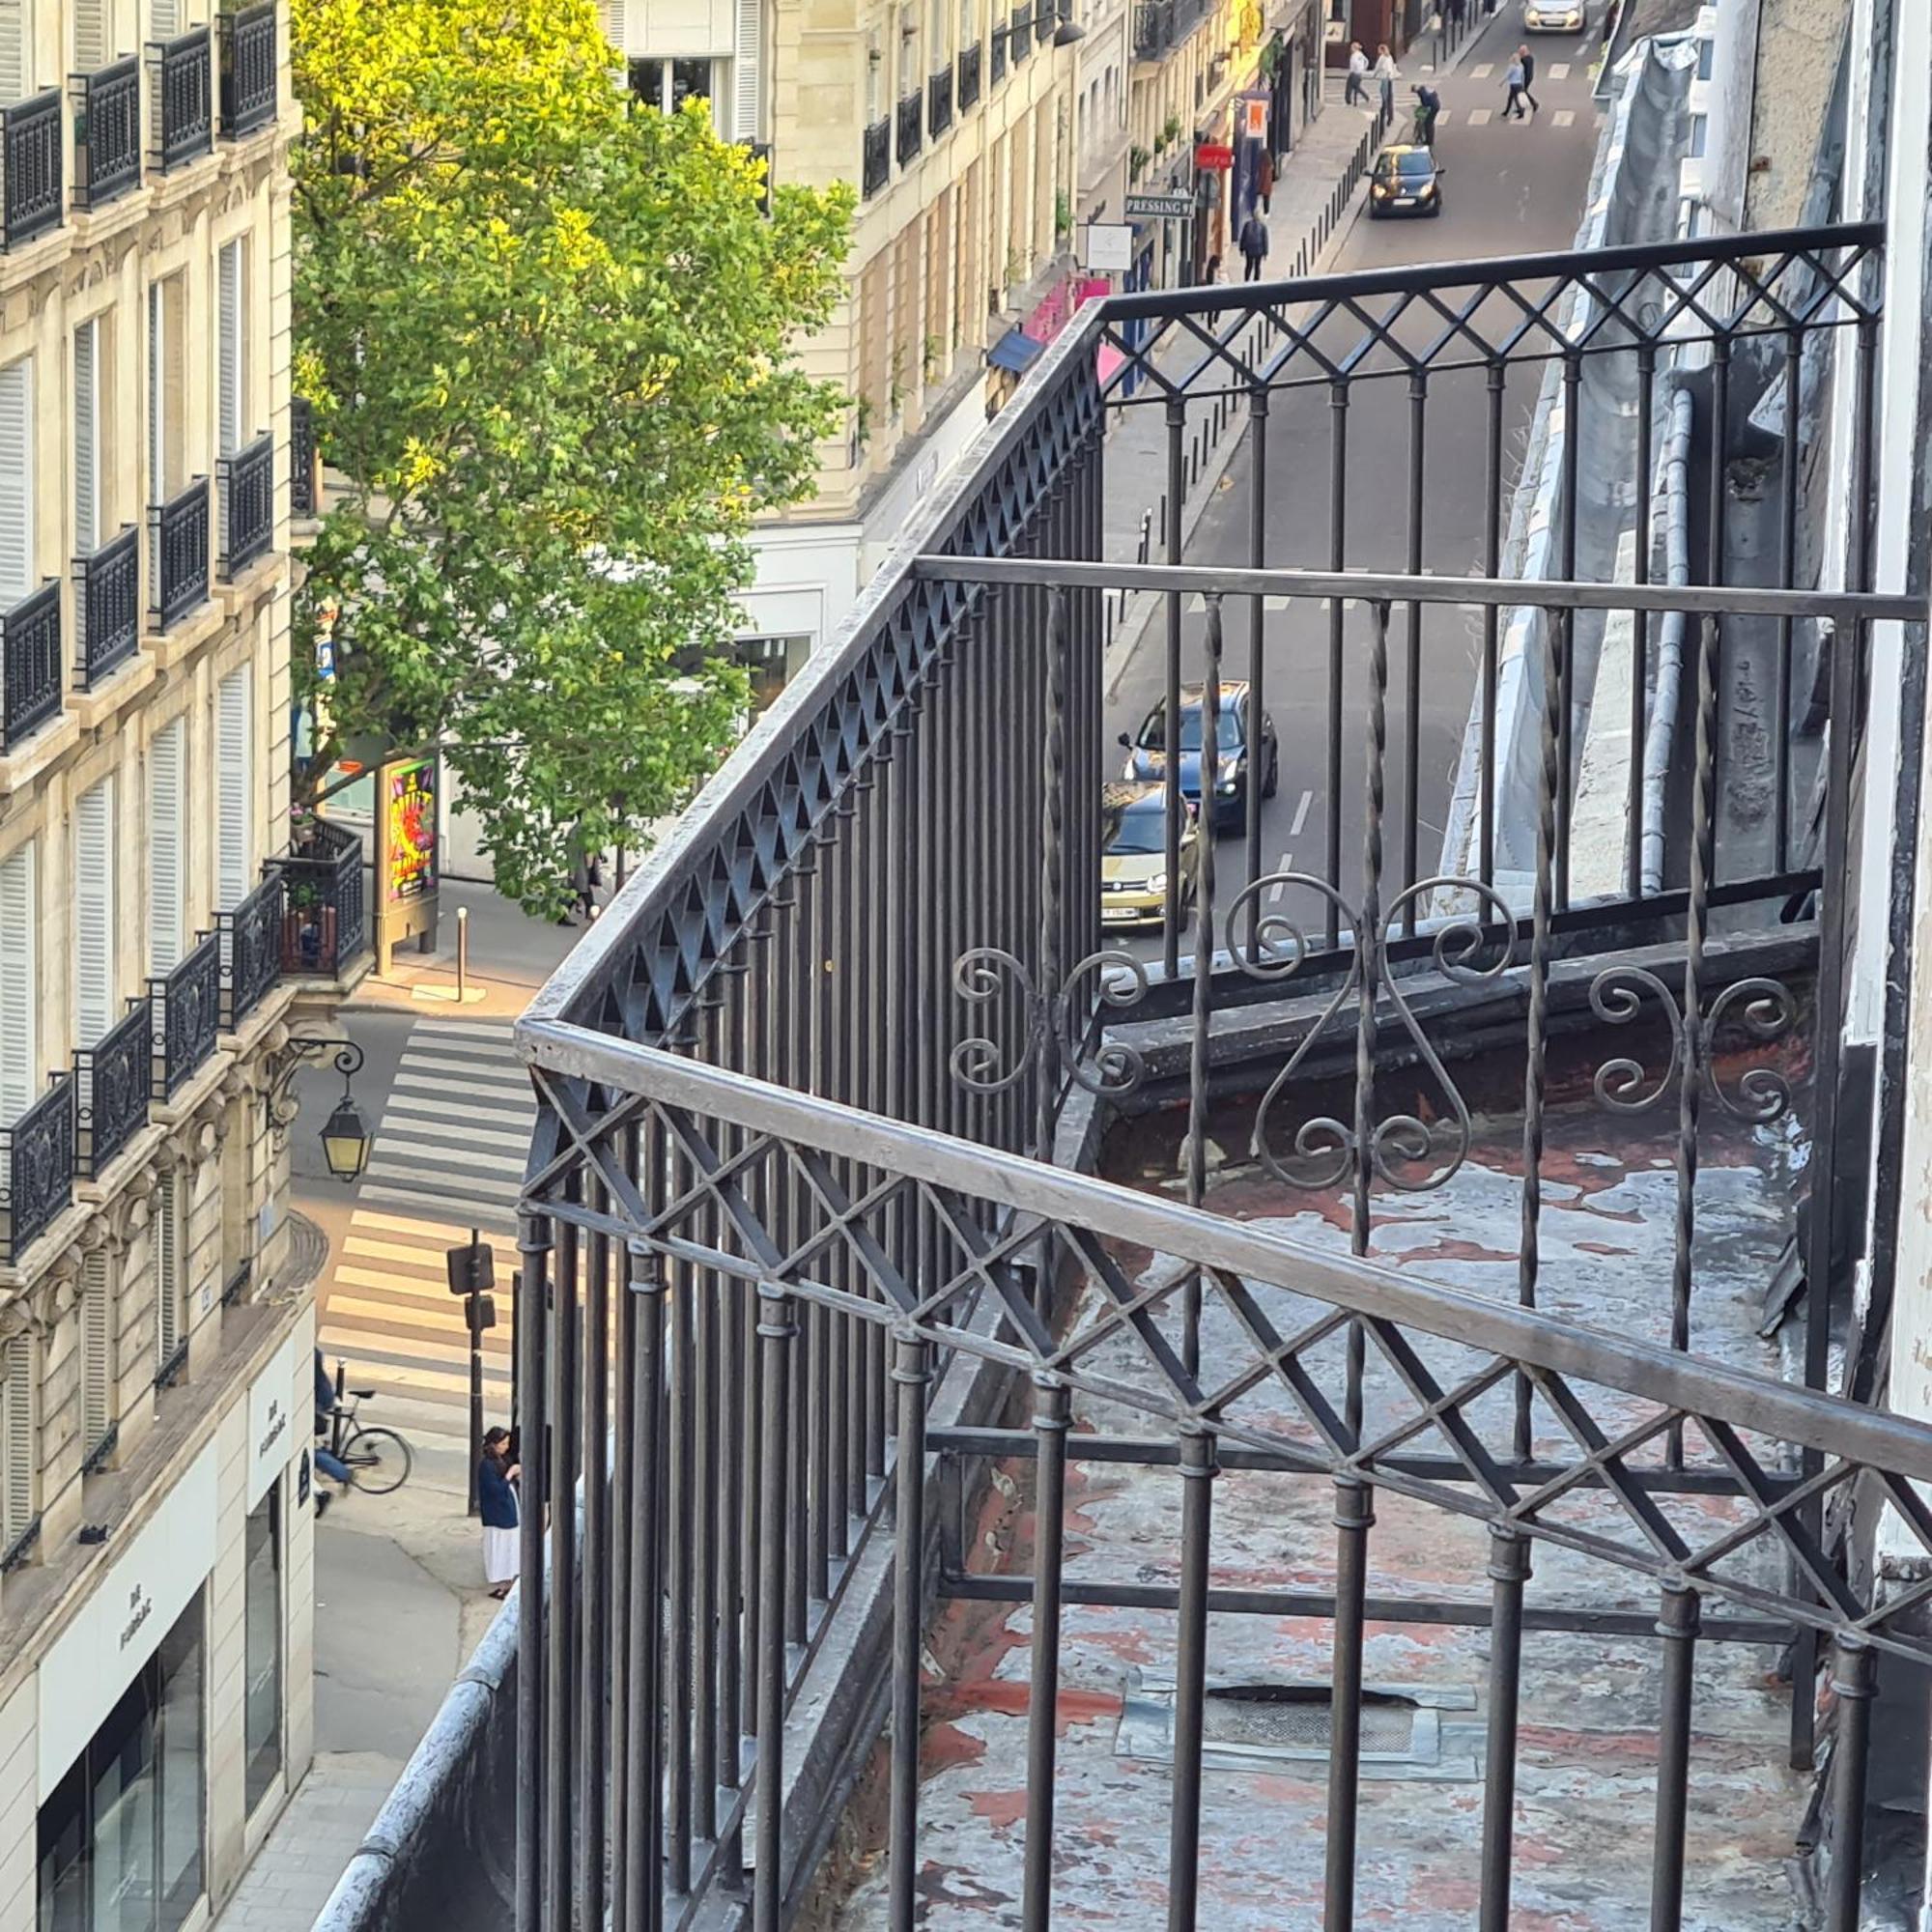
x,y
411,804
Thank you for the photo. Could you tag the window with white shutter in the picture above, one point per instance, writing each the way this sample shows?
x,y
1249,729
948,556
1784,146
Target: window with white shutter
x,y
87,437
746,70
20,1441
16,44
16,481
164,20
235,782
94,836
96,1351
169,1328
232,332
165,912
91,35
19,1011
167,441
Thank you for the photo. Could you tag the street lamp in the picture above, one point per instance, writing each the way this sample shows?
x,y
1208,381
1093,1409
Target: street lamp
x,y
347,1137
345,1140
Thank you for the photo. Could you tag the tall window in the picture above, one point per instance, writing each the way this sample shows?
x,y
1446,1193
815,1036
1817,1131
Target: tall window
x,y
667,85
969,23
875,80
16,479
167,437
19,1003
170,1316
232,345
16,51
20,1441
94,923
88,471
235,782
93,35
935,53
165,19
165,765
262,1713
97,1417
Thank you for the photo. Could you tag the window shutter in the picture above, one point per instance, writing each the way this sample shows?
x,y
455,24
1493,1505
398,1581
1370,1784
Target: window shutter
x,y
96,1351
12,51
90,51
87,438
747,69
164,846
611,17
16,481
158,473
19,1051
165,16
233,372
167,1270
21,1445
94,910
235,763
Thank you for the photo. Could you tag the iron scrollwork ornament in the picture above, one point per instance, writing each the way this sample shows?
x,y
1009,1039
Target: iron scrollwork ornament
x,y
1109,1071
1763,1010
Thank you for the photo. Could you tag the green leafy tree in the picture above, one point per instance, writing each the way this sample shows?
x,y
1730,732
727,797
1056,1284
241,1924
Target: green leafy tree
x,y
547,336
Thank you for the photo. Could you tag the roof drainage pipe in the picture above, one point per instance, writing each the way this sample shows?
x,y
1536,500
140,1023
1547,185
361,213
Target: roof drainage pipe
x,y
1674,489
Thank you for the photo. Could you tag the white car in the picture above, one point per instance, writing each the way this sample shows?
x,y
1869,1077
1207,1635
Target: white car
x,y
1554,16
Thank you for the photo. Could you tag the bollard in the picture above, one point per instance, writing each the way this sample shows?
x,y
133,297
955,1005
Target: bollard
x,y
462,952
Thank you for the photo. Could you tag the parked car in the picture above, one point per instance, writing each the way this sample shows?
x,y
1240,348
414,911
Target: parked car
x,y
1407,181
1554,16
1133,853
1147,751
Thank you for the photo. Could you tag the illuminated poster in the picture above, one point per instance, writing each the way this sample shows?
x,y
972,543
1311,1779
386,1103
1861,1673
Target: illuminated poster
x,y
411,804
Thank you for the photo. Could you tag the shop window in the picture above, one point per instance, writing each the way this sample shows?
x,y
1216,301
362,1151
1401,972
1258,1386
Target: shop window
x,y
773,662
262,1712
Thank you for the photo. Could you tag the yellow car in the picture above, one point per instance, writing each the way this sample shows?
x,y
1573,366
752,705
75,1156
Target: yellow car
x,y
1133,852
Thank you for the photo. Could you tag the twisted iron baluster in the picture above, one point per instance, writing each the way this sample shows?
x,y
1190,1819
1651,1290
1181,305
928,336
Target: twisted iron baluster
x,y
1204,968
1052,820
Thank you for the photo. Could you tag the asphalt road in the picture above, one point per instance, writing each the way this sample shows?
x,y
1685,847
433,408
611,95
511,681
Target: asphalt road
x,y
1509,188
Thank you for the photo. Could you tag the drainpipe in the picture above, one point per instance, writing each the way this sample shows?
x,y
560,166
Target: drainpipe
x,y
1674,487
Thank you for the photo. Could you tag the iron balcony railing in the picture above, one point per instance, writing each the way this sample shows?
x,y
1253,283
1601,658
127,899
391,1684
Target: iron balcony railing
x,y
1019,32
112,1081
36,1170
878,158
32,134
178,556
304,460
180,100
248,70
252,941
324,923
999,55
186,1010
245,489
107,606
906,145
969,76
939,102
1153,28
30,665
1045,20
107,132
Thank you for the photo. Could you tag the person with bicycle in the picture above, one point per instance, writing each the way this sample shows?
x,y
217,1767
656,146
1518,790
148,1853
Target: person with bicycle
x,y
327,1462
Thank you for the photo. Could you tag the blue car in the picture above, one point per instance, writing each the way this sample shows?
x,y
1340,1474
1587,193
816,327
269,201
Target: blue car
x,y
1147,752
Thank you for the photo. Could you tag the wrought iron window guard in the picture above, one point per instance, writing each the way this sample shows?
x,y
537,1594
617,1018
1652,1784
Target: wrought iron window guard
x,y
17,1553
878,156
245,493
970,59
248,70
30,665
908,115
36,1169
102,1454
32,137
181,100
939,101
304,460
169,1374
186,1004
998,63
107,132
1019,32
107,606
250,939
324,923
179,541
112,1082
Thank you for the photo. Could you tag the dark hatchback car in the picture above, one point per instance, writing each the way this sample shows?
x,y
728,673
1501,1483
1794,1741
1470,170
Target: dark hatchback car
x,y
1147,751
1406,182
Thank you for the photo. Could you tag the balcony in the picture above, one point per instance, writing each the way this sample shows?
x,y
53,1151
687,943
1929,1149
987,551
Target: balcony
x,y
304,461
180,100
36,1170
906,145
969,77
31,135
108,134
245,486
1019,33
111,1084
30,665
178,554
248,70
939,102
878,156
250,940
108,606
186,1008
324,925
999,61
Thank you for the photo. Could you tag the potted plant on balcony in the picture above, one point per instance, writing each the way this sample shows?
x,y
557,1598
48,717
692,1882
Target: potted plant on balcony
x,y
308,929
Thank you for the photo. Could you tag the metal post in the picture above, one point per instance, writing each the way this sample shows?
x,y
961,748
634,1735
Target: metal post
x,y
472,1312
1678,1628
1051,1421
1509,1570
1197,1467
1176,490
532,1294
1354,1516
911,1373
776,1330
1854,1680
642,1826
462,957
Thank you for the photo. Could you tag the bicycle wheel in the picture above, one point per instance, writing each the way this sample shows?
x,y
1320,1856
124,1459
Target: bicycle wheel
x,y
379,1461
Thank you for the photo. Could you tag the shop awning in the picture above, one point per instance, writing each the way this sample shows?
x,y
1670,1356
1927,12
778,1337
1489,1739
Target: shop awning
x,y
1014,351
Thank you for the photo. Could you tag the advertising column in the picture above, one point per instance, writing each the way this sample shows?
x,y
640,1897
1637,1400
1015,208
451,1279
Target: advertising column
x,y
407,870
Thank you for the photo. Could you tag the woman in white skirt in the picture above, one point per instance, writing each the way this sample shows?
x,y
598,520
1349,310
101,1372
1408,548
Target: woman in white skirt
x,y
497,1501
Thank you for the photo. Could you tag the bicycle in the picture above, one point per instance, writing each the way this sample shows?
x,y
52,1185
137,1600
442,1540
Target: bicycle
x,y
379,1461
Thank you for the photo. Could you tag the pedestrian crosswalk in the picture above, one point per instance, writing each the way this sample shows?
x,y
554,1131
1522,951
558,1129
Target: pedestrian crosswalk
x,y
448,1157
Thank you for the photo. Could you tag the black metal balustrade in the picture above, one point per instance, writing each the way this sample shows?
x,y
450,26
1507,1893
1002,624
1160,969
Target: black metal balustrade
x,y
248,70
30,665
878,162
186,1010
245,488
108,134
1153,28
107,606
939,102
906,146
304,460
251,951
1045,20
180,100
999,59
112,1081
969,77
178,556
324,923
36,1170
31,139
1019,32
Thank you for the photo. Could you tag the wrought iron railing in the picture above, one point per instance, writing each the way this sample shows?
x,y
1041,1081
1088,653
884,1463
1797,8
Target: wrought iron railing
x,y
112,1082
939,102
245,491
969,76
107,132
187,1009
181,100
324,923
107,606
36,1170
251,951
1019,32
999,56
30,665
248,70
32,135
1153,28
908,116
304,461
878,158
178,556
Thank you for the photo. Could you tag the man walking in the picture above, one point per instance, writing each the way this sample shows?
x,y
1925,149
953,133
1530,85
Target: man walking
x,y
1354,94
1254,245
1427,106
1528,59
1513,80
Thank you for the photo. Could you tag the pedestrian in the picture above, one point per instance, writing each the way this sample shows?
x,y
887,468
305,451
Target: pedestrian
x,y
1513,80
1213,273
497,1503
1528,59
325,1461
1457,12
1264,180
1254,240
1427,106
1387,73
1355,94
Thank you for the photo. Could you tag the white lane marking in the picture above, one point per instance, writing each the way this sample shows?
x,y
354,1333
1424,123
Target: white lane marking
x,y
1559,70
1301,815
1483,71
1285,864
1479,117
1562,118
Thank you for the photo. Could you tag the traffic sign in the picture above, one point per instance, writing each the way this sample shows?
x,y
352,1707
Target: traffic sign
x,y
1159,207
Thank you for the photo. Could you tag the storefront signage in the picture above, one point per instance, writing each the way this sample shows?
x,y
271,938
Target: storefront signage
x,y
133,1605
1110,247
275,1407
1254,110
1214,155
409,800
1159,207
